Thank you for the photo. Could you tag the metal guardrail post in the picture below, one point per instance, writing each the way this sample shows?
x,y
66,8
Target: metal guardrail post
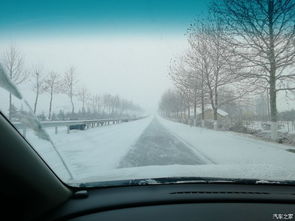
x,y
89,123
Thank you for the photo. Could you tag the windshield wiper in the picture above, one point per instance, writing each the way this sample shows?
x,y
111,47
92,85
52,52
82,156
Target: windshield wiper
x,y
28,118
181,180
217,180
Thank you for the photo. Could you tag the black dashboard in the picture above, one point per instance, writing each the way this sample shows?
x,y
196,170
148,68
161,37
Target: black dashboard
x,y
181,202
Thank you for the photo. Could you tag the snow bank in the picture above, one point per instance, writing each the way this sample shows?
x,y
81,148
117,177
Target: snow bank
x,y
223,147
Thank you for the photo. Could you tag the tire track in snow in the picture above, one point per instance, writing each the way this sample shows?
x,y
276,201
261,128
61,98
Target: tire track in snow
x,y
157,146
205,158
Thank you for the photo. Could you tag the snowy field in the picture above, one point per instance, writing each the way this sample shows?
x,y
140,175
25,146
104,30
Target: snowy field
x,y
156,147
284,126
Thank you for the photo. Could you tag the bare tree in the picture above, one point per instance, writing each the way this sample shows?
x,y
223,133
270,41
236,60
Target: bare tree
x,y
83,95
262,33
199,61
37,85
98,103
95,103
52,85
214,62
171,104
70,82
123,106
182,78
107,103
115,104
14,65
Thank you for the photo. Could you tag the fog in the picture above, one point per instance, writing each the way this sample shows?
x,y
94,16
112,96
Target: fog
x,y
132,66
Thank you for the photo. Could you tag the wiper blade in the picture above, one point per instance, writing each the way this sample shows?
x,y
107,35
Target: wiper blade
x,y
28,118
151,181
181,180
7,84
212,180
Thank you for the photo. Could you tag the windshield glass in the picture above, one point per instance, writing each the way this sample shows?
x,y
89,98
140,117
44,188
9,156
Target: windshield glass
x,y
113,91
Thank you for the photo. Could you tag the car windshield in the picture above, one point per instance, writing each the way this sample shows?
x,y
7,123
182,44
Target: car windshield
x,y
116,92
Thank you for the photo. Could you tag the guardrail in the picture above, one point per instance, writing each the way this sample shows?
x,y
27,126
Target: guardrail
x,y
80,124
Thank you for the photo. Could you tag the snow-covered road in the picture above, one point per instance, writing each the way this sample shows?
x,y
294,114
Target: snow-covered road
x,y
90,151
158,147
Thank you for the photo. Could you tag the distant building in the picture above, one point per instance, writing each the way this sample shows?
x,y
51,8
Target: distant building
x,y
221,114
209,115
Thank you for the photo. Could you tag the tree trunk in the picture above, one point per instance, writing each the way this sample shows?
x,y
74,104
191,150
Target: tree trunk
x,y
268,104
50,105
215,105
203,112
36,101
37,93
273,107
195,109
203,103
188,115
83,106
73,108
272,74
215,119
10,97
10,107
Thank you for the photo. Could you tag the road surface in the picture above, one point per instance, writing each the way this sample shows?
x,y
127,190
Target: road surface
x,y
152,144
156,146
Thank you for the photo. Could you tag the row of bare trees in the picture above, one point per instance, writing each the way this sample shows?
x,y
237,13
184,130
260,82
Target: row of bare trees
x,y
208,74
245,47
14,65
53,83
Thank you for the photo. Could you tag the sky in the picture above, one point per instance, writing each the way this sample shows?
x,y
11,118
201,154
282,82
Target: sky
x,y
133,15
120,47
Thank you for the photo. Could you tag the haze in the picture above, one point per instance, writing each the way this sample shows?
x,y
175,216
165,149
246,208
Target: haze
x,y
134,67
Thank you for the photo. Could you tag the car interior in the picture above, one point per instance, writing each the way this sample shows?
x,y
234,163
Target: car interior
x,y
147,110
31,191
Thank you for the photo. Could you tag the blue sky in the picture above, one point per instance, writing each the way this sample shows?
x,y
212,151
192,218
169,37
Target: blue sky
x,y
99,15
